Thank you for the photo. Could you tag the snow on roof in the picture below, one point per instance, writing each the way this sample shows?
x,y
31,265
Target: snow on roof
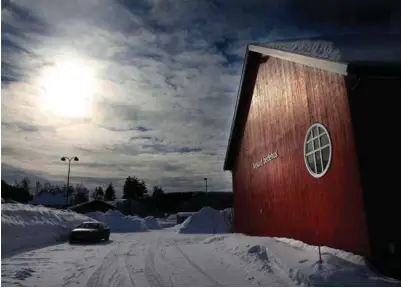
x,y
93,201
48,199
345,48
186,213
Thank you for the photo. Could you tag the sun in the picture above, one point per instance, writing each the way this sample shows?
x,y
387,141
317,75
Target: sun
x,y
68,88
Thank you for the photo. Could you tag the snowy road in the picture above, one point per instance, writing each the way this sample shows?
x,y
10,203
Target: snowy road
x,y
157,258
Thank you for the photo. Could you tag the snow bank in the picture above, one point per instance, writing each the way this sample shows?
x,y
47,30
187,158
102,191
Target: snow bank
x,y
152,223
172,217
114,213
207,220
26,227
118,222
348,256
299,261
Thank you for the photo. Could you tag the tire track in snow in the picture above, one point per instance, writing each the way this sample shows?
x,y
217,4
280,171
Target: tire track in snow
x,y
93,281
153,277
113,271
162,256
126,264
150,271
200,270
70,280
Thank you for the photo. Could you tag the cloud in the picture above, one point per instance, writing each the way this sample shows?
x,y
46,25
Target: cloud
x,y
142,129
11,172
166,73
25,127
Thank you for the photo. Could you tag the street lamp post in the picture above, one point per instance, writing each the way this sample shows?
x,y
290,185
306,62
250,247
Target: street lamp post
x,y
68,176
205,179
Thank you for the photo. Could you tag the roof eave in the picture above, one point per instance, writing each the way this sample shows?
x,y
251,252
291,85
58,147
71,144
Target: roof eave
x,y
227,164
331,66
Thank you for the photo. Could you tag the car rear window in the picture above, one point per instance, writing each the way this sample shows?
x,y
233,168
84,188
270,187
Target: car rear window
x,y
89,225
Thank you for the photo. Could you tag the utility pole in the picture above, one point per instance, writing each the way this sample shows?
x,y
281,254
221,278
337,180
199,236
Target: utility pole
x,y
68,175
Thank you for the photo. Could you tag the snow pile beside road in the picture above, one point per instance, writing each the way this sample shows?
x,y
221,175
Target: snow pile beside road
x,y
172,217
114,213
27,227
118,222
348,256
298,261
152,223
207,220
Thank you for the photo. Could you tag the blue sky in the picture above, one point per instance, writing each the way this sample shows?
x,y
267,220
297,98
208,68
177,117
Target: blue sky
x,y
144,87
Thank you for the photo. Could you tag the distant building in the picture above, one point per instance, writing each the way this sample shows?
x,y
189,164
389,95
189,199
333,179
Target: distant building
x,y
56,200
92,206
310,148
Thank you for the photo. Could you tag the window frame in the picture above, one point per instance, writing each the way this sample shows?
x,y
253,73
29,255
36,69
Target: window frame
x,y
319,149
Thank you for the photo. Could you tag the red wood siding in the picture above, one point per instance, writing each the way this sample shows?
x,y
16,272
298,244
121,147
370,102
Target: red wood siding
x,y
287,99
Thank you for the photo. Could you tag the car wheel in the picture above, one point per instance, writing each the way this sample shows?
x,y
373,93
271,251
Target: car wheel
x,y
107,237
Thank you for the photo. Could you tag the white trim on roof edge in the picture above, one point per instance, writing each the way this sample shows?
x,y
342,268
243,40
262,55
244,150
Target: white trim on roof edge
x,y
339,68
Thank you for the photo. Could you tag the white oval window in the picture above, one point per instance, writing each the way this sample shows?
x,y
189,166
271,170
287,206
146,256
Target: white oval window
x,y
317,150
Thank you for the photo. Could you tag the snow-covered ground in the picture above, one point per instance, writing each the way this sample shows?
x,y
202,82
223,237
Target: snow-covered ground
x,y
26,226
167,258
299,261
158,258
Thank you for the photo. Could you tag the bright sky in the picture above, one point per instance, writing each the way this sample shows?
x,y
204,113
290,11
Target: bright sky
x,y
145,89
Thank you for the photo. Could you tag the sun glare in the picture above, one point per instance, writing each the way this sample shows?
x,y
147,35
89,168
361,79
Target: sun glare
x,y
68,89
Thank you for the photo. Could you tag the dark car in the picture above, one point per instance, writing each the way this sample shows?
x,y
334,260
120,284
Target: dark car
x,y
90,231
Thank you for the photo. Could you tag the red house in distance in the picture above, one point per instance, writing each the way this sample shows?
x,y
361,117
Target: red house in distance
x,y
306,148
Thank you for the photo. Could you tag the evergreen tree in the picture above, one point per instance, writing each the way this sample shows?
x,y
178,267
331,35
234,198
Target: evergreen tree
x,y
110,193
157,197
16,193
26,184
38,187
157,192
81,194
134,188
98,194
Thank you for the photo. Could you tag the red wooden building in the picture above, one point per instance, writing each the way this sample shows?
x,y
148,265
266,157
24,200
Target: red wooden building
x,y
310,148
